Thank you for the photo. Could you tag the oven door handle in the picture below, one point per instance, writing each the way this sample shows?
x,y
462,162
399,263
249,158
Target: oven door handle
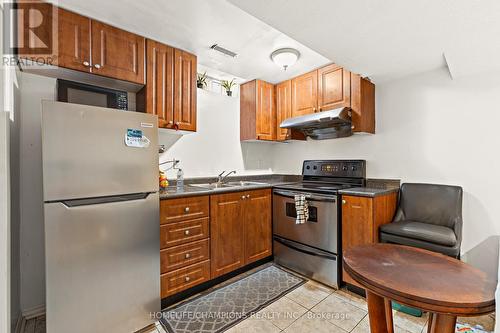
x,y
303,249
309,196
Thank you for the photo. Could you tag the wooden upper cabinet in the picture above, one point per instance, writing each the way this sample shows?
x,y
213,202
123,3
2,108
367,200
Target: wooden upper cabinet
x,y
362,104
283,107
226,233
159,94
334,88
184,90
305,94
74,41
117,53
265,116
257,111
258,225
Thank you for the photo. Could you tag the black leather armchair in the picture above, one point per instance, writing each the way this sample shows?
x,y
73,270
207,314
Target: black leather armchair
x,y
429,217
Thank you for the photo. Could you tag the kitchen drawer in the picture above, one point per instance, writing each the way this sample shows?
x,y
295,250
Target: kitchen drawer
x,y
175,210
184,278
178,233
184,255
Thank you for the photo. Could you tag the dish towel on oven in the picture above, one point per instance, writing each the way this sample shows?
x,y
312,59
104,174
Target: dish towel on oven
x,y
302,208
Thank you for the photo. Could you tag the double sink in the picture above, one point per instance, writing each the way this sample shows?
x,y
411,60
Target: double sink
x,y
213,186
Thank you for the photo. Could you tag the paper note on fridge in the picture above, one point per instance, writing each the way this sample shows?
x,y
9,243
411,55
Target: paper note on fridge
x,y
134,138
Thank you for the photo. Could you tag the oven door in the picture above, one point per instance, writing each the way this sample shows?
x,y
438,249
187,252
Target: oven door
x,y
320,231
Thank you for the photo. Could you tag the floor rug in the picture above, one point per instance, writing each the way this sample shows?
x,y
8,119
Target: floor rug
x,y
224,307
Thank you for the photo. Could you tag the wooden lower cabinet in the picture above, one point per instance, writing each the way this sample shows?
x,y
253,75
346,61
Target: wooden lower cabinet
x,y
178,233
182,209
235,230
226,232
240,230
184,278
361,219
258,231
184,255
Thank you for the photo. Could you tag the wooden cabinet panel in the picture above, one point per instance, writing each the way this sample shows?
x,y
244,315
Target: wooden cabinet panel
x,y
184,255
159,99
334,88
361,219
226,232
265,116
357,225
305,94
357,221
117,53
248,107
362,104
184,278
283,107
258,225
184,90
178,233
74,41
181,209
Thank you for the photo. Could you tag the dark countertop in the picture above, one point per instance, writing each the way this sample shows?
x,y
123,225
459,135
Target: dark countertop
x,y
375,187
267,181
368,192
190,191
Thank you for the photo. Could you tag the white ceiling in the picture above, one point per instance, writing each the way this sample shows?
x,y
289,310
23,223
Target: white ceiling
x,y
194,25
387,39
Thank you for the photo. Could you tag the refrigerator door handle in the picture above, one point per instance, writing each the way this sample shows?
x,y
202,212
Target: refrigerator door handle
x,y
103,200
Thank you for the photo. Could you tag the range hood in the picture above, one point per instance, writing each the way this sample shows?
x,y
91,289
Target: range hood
x,y
322,125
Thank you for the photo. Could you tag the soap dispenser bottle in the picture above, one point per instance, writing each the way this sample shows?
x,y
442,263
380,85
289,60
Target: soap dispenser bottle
x,y
180,180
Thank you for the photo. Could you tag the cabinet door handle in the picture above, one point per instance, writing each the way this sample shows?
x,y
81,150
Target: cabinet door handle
x,y
170,122
186,210
243,197
248,196
97,66
187,278
186,232
314,109
344,202
86,64
188,255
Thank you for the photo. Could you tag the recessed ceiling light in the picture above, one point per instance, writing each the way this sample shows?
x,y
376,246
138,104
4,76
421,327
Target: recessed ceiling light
x,y
285,57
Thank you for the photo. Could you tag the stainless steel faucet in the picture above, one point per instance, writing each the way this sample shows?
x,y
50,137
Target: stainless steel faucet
x,y
221,178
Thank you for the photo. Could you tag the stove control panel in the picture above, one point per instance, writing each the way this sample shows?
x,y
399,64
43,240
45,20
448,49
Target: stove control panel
x,y
335,168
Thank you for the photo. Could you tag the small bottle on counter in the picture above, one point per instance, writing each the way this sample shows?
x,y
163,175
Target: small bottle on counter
x,y
180,180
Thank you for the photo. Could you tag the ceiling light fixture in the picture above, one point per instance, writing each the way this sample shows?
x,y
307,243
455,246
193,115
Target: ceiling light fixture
x,y
285,57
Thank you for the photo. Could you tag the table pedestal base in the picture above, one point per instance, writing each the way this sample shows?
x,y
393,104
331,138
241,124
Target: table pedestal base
x,y
380,314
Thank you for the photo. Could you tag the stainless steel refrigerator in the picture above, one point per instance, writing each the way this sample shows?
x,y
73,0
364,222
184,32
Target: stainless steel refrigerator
x,y
101,212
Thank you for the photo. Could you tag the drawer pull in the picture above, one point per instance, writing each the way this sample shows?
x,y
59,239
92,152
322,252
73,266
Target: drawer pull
x,y
186,232
186,210
243,197
344,202
187,278
248,196
188,255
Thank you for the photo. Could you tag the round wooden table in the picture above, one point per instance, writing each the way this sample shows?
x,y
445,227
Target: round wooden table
x,y
443,286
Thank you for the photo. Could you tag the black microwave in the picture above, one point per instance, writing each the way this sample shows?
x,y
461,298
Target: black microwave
x,y
80,93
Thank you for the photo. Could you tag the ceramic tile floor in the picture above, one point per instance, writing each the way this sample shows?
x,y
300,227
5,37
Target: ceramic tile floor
x,y
316,308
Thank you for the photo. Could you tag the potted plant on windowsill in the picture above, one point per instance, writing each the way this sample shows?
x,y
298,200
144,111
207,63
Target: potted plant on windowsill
x,y
201,80
228,85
